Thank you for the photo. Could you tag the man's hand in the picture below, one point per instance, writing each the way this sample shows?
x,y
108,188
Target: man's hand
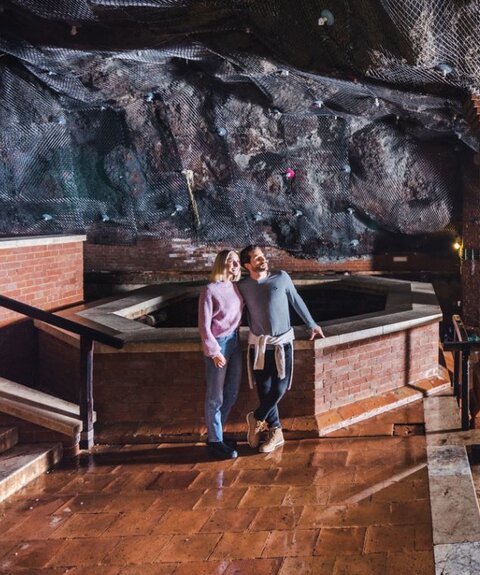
x,y
316,330
219,360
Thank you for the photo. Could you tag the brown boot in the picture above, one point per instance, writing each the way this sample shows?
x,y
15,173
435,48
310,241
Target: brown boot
x,y
275,439
254,429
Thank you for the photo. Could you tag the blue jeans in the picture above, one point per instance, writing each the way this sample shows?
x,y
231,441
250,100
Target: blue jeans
x,y
270,388
223,385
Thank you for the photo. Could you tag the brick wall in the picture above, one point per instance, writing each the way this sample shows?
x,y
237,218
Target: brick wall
x,y
470,270
46,272
156,261
168,387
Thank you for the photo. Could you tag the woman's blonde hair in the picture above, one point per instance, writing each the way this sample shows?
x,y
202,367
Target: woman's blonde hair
x,y
218,272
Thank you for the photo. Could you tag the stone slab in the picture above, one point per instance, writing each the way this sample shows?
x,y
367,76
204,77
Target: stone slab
x,y
8,438
441,414
455,512
460,559
23,463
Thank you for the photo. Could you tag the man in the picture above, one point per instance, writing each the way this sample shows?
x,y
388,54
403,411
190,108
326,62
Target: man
x,y
270,342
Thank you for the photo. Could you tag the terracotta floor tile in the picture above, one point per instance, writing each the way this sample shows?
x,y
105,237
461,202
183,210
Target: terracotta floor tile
x,y
294,543
195,547
205,517
329,459
181,521
81,552
423,537
84,525
307,495
399,491
373,564
390,538
322,516
88,503
407,563
296,476
264,496
254,567
248,545
87,483
135,523
307,566
229,520
200,568
367,513
137,550
30,554
157,569
215,479
283,517
94,570
128,482
229,497
174,479
36,526
340,541
257,477
141,501
411,512
185,499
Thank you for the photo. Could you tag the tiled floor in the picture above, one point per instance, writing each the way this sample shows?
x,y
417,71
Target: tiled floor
x,y
355,503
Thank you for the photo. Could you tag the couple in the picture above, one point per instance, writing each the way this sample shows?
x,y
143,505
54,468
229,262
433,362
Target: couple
x,y
270,345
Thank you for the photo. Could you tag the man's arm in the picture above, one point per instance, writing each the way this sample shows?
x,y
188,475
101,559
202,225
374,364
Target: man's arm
x,y
301,308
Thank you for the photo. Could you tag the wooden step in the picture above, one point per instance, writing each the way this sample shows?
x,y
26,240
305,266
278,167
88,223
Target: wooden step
x,y
8,438
23,463
39,408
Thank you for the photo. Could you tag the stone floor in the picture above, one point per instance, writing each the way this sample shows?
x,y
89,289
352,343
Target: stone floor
x,y
353,503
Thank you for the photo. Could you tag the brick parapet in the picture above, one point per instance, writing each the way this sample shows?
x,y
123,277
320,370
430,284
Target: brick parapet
x,y
44,272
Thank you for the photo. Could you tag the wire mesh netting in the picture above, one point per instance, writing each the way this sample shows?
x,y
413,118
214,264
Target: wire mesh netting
x,y
326,125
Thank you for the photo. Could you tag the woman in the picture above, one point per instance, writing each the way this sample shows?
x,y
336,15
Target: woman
x,y
219,316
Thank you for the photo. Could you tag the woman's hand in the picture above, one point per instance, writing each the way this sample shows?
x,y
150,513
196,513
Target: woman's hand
x,y
219,360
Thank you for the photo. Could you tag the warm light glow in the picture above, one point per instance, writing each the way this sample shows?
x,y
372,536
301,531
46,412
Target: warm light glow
x,y
457,246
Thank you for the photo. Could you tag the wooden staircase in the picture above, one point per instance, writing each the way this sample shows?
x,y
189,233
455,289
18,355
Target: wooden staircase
x,y
36,431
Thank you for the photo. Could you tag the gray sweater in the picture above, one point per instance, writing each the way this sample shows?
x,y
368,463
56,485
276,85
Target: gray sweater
x,y
267,302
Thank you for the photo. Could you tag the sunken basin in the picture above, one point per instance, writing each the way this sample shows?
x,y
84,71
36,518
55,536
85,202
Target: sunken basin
x,y
381,341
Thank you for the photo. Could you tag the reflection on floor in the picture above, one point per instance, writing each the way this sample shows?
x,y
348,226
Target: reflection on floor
x,y
354,503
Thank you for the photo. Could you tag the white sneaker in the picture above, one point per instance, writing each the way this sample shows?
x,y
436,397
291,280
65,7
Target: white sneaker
x,y
254,429
275,439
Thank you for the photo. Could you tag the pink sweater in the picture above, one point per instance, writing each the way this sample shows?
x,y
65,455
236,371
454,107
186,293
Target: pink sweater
x,y
219,314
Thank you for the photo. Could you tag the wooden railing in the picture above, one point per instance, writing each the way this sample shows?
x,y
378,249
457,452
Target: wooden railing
x,y
461,346
87,336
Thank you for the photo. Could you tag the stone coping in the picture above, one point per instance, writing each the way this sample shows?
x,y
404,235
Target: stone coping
x,y
408,305
28,241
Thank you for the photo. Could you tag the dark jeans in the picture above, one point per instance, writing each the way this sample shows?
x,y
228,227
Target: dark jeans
x,y
270,387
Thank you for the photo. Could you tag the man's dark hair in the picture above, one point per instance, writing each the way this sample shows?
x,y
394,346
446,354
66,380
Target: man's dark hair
x,y
245,254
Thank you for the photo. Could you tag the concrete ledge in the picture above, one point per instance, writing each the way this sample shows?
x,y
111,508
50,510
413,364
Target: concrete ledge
x,y
23,463
40,408
29,241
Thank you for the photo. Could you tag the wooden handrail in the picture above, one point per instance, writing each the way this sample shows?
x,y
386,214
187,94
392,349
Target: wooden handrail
x,y
87,336
61,322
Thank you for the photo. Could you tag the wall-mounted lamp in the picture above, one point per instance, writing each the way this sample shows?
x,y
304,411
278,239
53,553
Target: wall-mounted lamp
x,y
326,17
444,68
457,246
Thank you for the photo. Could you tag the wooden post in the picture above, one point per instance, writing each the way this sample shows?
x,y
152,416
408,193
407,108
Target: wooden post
x,y
86,392
465,392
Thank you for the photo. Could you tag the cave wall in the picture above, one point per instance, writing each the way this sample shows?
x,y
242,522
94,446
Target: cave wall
x,y
192,122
